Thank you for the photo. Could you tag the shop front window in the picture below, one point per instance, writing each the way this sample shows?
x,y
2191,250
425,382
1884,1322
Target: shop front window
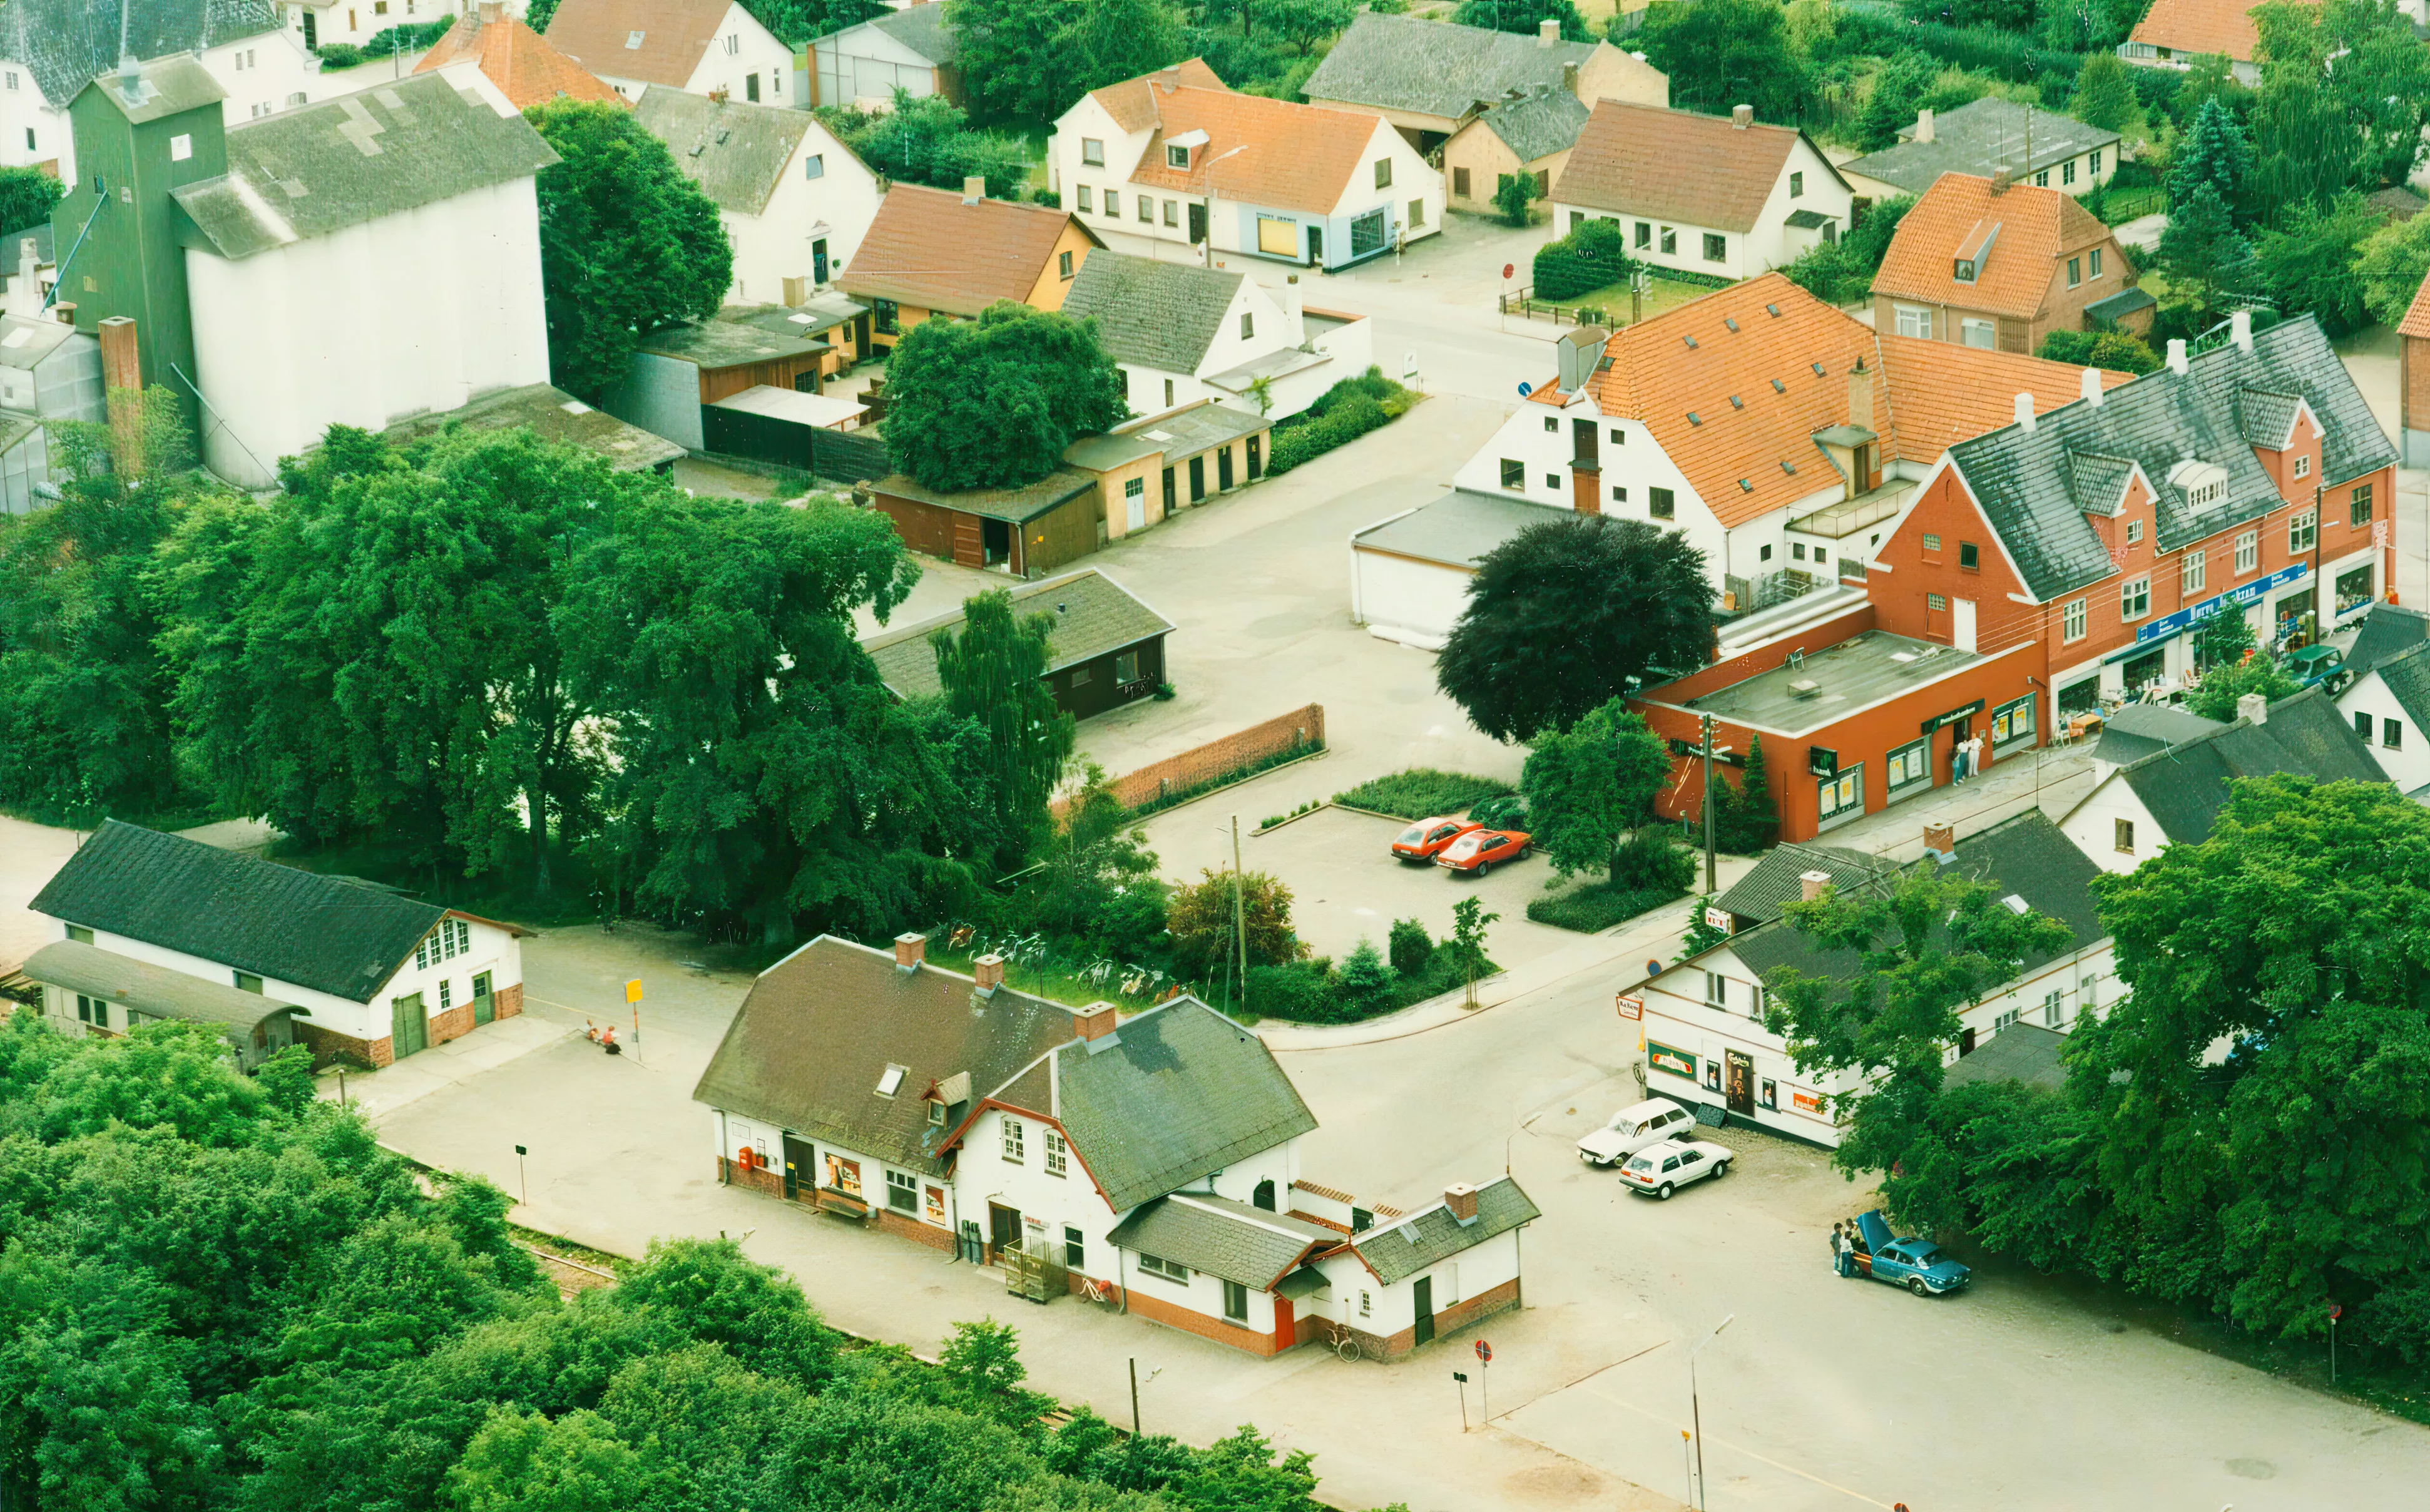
x,y
1840,797
2147,669
1910,765
2354,589
2012,721
2080,697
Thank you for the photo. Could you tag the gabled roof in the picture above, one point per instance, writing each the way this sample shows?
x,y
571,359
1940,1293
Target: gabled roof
x,y
551,414
1741,340
734,152
818,1030
2138,730
921,29
2185,787
1400,1249
1538,125
162,991
657,41
2417,315
1221,1237
526,70
2023,480
929,250
1174,1095
2030,231
1435,68
2386,630
2407,676
1274,153
1093,616
1132,103
2223,28
1981,137
2020,1052
66,42
1777,877
1161,315
324,168
330,934
1675,165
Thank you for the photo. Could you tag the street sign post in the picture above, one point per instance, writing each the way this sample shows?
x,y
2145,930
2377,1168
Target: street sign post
x,y
1484,1388
522,1178
1462,1376
633,996
2335,1313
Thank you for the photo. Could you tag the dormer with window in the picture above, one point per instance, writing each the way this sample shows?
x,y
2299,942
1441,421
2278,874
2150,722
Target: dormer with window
x,y
2202,485
1180,151
1974,251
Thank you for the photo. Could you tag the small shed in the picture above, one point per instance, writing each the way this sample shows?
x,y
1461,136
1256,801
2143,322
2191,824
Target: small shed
x,y
1024,531
1106,650
552,415
87,989
679,371
50,370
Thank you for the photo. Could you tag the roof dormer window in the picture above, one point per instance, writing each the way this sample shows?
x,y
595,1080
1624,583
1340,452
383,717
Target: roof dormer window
x,y
1176,157
936,1113
2204,482
1963,271
891,1082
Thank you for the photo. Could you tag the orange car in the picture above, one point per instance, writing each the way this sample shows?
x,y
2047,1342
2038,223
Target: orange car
x,y
1421,841
1475,852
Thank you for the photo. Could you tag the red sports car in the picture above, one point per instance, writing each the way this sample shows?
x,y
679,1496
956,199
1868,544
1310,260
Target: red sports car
x,y
1477,851
1421,841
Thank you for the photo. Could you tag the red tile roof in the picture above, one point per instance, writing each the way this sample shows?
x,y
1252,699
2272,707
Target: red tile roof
x,y
929,250
673,36
1701,170
1130,104
1290,156
2417,319
517,59
2221,26
2036,227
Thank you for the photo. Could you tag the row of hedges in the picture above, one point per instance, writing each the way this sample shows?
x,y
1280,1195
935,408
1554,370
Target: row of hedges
x,y
1593,255
1341,414
2005,54
412,37
1368,984
1595,906
1421,793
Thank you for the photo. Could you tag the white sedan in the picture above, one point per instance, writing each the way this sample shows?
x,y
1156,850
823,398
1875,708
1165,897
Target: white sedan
x,y
1659,1170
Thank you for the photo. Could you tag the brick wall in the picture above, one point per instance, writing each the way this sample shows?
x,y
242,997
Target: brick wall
x,y
327,1047
904,1226
1451,1320
453,1023
760,1179
508,1000
1301,727
1156,1309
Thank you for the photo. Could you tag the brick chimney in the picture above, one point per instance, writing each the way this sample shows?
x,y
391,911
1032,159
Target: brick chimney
x,y
1941,839
121,382
909,948
974,188
1095,1021
1462,1199
1741,116
2001,179
1811,884
2089,386
1860,399
988,972
2253,708
1547,33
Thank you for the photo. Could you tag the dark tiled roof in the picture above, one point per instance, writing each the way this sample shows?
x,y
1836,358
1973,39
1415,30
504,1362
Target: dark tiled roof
x,y
1981,139
1542,122
324,168
2120,304
1018,504
327,933
2020,1052
1775,880
1435,68
162,991
1094,615
2407,676
2268,418
2185,787
1221,1237
2025,856
2022,478
1180,1093
734,151
1157,314
551,414
818,1030
65,43
2387,629
1408,1246
2140,730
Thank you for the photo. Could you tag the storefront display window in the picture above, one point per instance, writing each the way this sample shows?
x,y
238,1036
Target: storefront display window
x,y
844,1175
1841,797
2354,589
2146,669
2080,697
2012,721
1910,765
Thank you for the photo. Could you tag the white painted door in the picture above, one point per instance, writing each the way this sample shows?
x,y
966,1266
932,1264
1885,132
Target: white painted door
x,y
1138,503
1962,629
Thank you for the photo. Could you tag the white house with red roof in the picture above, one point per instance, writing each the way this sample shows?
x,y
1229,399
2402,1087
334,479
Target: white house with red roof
x,y
1781,436
1726,196
1162,165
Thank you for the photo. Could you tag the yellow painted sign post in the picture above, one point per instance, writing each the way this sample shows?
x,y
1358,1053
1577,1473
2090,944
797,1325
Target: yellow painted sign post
x,y
633,996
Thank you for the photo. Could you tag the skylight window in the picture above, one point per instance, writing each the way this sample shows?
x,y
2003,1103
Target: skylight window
x,y
633,40
1789,468
1731,323
1778,387
1690,340
891,1082
1773,310
1746,486
1695,419
1818,370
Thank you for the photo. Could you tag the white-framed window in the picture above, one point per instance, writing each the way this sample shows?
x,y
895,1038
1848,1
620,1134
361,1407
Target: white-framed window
x,y
2248,550
1982,335
1093,152
1383,173
1176,157
2067,171
1841,796
1236,1296
1363,1302
2071,621
1248,326
1914,321
815,165
446,994
2133,531
246,982
2134,598
2012,721
1013,1148
1146,209
2122,836
2096,252
902,1191
1157,1265
1172,213
2192,573
95,1011
1910,765
2041,178
2392,734
2075,272
1670,241
2096,173
2302,532
1086,198
1514,475
2054,1009
1113,206
1717,989
2303,464
12,80
1075,1249
1058,1153
1796,186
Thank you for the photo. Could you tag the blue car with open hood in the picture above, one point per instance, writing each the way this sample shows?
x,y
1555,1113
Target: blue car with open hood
x,y
1913,1263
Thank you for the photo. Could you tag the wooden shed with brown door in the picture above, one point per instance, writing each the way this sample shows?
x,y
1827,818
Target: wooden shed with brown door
x,y
678,369
1025,532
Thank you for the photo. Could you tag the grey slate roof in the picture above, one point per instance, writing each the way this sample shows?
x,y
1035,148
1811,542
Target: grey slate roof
x,y
1775,878
1180,1093
2185,787
1018,505
2024,482
552,415
2140,730
2020,1052
816,1032
2387,629
1093,616
162,991
65,43
1457,529
1221,1237
736,335
1979,139
330,934
736,152
1431,67
923,30
2120,304
162,87
1156,314
347,161
2407,676
1402,1249
2268,418
1544,121
2026,855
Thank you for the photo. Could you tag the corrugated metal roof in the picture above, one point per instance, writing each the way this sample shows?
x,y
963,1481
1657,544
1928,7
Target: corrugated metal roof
x,y
161,991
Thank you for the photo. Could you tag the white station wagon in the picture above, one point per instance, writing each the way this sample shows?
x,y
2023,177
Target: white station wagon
x,y
1633,1128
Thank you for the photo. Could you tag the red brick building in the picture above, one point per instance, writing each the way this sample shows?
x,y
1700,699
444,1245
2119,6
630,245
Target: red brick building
x,y
2413,365
1986,263
2251,475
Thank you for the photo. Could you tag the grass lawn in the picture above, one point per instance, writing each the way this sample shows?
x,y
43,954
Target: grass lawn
x,y
1667,293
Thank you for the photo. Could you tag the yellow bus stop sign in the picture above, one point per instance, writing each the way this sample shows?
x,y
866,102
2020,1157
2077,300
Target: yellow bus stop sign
x,y
633,991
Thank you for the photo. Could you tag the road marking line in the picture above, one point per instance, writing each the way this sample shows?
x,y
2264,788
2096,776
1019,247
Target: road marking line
x,y
1832,1486
1588,1376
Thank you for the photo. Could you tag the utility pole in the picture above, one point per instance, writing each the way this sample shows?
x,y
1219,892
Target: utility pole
x,y
1135,1417
1710,867
1239,912
1695,1411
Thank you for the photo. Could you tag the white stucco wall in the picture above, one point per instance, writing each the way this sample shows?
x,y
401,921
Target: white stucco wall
x,y
263,74
2408,764
278,367
780,241
2092,826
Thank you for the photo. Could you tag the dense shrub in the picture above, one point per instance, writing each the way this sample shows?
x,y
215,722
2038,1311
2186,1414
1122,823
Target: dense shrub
x,y
1422,792
339,55
1598,906
1365,982
1302,992
1341,414
1502,811
410,38
2113,350
1409,947
1649,861
1595,256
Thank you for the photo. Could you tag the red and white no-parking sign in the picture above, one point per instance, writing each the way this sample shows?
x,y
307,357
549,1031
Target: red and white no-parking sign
x,y
1484,1353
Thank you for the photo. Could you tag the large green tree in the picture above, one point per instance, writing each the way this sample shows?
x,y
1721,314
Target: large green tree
x,y
2206,258
628,243
2214,154
1589,785
995,675
1570,614
27,195
929,140
1523,16
2393,263
993,403
1027,61
2105,92
1720,54
2345,93
2309,261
